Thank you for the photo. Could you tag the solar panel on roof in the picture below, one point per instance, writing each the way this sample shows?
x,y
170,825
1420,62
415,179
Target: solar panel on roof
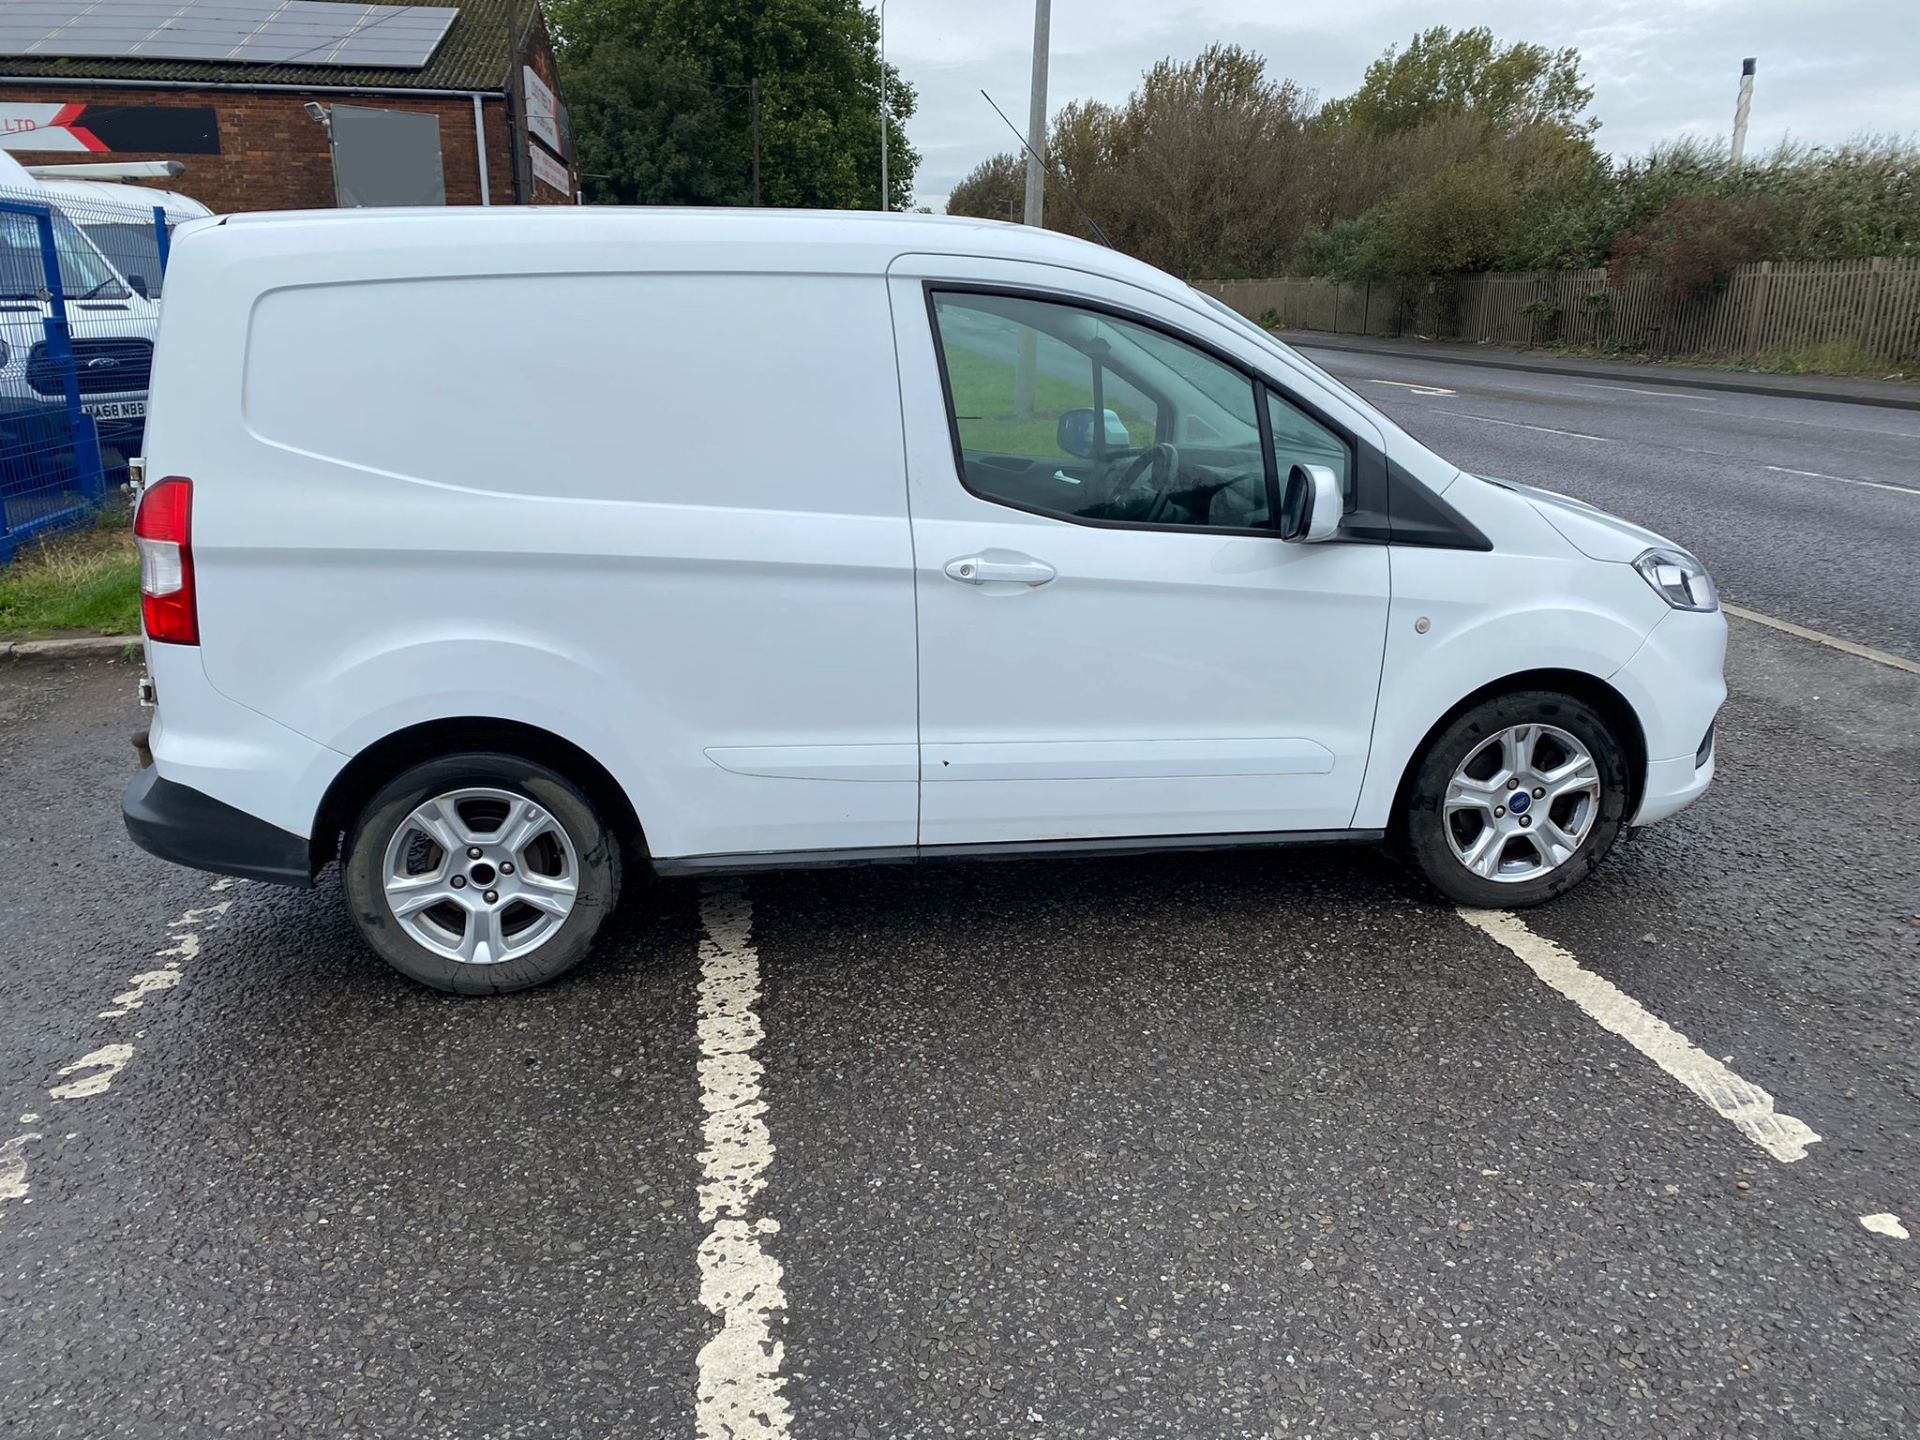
x,y
256,32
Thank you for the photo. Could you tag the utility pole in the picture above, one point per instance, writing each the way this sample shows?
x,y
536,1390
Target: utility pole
x,y
1037,115
1025,365
1740,109
753,102
886,196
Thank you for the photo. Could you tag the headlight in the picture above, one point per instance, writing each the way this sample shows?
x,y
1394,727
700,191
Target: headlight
x,y
1681,580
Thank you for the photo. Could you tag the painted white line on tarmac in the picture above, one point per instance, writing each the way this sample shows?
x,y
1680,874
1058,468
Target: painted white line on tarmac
x,y
1844,480
13,1166
1865,652
1852,427
1745,1104
740,1384
1516,425
1635,390
1416,389
96,1070
1886,1225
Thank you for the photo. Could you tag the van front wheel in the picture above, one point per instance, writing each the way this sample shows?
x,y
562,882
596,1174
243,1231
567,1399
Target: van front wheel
x,y
1517,800
481,873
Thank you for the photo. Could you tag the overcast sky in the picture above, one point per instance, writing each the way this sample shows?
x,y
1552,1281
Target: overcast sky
x,y
1829,69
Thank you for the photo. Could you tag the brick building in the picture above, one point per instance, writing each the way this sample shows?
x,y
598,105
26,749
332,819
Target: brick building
x,y
480,115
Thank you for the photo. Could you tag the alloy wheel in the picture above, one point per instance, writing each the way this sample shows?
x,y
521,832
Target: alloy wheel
x,y
480,875
1522,803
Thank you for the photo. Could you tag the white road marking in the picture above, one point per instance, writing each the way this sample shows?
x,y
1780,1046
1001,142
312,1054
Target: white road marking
x,y
1517,425
1865,652
13,1167
148,982
1416,389
740,1384
1635,390
104,1063
1844,480
1852,427
1745,1104
1879,1224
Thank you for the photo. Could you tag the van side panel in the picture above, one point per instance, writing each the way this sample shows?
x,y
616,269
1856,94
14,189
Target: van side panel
x,y
661,515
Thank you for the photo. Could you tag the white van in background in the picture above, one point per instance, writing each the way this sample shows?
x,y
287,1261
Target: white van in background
x,y
110,318
493,551
118,218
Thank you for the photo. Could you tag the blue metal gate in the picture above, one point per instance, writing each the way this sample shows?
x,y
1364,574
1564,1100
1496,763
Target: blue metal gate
x,y
78,298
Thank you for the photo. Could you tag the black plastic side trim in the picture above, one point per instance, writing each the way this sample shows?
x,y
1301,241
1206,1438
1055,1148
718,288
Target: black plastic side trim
x,y
1005,850
1405,512
179,823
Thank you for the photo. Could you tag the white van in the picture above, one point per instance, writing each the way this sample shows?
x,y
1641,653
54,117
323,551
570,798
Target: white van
x,y
119,220
498,552
110,320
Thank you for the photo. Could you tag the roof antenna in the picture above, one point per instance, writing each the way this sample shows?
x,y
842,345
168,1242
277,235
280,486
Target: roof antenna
x,y
1092,223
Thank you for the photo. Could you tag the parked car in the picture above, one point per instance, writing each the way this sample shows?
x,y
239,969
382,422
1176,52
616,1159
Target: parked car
x,y
497,553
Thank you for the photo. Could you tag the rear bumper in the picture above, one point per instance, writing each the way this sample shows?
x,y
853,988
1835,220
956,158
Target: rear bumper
x,y
178,823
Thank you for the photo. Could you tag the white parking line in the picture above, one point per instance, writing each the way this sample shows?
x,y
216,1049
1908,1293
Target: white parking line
x,y
1879,657
13,1166
1746,1105
1517,425
96,1070
740,1384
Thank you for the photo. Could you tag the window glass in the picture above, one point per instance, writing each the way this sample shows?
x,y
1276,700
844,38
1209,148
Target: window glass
x,y
1179,444
1299,439
83,273
133,248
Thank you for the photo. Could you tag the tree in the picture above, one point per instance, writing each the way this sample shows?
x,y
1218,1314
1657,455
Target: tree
x,y
995,189
657,92
1440,73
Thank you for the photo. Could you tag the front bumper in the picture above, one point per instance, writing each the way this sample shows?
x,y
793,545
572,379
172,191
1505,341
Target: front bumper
x,y
1676,685
178,823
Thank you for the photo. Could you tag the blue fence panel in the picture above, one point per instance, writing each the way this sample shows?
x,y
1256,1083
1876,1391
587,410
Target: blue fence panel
x,y
80,281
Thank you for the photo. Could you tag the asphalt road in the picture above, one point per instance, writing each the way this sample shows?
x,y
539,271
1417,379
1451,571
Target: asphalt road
x,y
1805,510
1213,1146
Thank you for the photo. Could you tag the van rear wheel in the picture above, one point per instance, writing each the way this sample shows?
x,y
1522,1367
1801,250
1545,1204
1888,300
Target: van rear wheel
x,y
1517,800
481,873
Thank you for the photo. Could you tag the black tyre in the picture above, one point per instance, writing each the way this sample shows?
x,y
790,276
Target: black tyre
x,y
481,873
1517,800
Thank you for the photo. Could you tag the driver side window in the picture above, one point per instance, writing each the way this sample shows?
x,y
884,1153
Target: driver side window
x,y
1177,441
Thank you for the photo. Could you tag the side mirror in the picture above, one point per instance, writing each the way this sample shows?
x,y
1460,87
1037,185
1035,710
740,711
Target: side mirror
x,y
139,284
1310,505
1074,433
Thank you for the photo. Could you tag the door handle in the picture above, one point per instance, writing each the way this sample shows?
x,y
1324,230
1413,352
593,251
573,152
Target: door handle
x,y
999,568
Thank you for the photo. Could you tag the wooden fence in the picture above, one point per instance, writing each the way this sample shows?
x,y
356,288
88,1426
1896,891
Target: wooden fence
x,y
1871,306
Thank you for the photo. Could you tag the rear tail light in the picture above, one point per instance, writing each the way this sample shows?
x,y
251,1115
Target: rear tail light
x,y
163,530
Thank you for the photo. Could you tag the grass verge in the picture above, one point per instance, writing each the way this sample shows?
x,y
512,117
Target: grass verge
x,y
81,584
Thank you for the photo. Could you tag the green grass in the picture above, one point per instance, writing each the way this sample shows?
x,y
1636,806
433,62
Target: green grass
x,y
82,584
983,400
1833,358
1830,359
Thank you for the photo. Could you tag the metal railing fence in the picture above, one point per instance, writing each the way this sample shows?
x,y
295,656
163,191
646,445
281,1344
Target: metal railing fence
x,y
1869,307
80,283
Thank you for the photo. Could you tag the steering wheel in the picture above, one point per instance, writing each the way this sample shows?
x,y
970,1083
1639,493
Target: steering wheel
x,y
1134,496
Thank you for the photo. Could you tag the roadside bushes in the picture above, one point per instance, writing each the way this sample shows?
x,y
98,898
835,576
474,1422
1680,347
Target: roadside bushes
x,y
1457,154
